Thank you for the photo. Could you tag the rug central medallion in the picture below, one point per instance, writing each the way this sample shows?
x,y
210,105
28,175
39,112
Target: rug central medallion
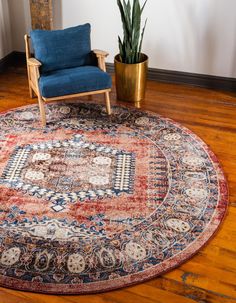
x,y
70,170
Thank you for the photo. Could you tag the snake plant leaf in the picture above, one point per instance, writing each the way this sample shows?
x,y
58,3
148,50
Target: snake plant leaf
x,y
123,18
121,48
143,6
127,12
141,40
136,23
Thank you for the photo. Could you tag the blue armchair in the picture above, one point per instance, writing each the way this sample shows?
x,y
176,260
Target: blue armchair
x,y
64,66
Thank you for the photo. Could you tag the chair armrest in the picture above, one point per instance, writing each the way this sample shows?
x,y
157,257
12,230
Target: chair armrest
x,y
33,73
100,53
33,62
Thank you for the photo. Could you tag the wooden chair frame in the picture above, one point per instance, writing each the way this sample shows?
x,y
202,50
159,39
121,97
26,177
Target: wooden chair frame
x,y
33,66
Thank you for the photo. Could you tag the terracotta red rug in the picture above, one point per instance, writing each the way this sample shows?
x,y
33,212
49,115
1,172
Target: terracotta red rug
x,y
94,203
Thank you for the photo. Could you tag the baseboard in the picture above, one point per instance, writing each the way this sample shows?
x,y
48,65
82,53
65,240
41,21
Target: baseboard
x,y
13,59
5,62
19,58
160,75
199,80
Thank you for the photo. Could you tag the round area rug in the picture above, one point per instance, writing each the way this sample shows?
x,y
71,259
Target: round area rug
x,y
93,203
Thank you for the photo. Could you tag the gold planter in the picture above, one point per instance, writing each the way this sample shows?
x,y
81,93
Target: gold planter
x,y
131,80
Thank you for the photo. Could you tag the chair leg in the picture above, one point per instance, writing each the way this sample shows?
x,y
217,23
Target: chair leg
x,y
31,92
108,105
42,111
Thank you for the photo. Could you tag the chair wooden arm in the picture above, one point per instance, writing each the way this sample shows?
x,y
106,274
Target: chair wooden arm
x,y
101,55
33,72
99,52
33,62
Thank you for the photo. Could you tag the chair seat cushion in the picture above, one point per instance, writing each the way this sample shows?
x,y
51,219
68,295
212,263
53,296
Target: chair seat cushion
x,y
73,80
59,49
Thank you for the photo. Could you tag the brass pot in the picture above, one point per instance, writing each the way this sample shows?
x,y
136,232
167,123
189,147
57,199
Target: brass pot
x,y
131,80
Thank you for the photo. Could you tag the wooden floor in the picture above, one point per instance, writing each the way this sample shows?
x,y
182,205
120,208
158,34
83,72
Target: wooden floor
x,y
210,276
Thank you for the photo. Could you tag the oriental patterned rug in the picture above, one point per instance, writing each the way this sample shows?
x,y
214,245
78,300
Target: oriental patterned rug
x,y
93,203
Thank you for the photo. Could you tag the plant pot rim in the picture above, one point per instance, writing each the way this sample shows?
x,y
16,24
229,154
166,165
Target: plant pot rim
x,y
144,57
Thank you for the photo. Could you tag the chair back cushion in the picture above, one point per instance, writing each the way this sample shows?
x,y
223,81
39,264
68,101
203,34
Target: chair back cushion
x,y
59,49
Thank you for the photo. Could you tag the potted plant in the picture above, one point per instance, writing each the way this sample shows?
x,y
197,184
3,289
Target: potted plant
x,y
131,64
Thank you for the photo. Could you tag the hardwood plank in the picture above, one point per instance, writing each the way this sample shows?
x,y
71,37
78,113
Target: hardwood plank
x,y
197,294
158,295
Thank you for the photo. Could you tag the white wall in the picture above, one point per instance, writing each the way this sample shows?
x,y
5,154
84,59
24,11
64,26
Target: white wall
x,y
5,29
20,22
196,36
